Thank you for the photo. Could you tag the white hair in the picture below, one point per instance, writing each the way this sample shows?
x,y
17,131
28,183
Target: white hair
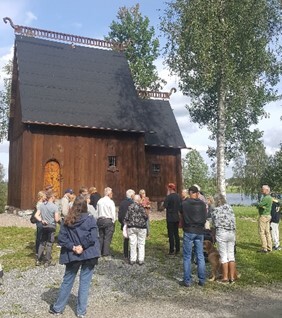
x,y
137,198
130,193
266,187
198,187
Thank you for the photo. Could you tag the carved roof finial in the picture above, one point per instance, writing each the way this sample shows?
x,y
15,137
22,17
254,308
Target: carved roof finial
x,y
7,19
173,90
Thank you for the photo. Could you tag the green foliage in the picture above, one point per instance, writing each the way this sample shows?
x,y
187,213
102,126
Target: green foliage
x,y
142,48
196,171
5,98
273,172
250,167
3,189
227,56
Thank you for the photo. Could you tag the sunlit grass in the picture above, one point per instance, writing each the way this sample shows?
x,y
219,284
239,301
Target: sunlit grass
x,y
17,250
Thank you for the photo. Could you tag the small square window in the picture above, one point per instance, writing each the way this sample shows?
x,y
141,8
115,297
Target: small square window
x,y
156,167
112,160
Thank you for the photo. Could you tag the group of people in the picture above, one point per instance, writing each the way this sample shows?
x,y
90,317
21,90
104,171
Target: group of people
x,y
194,213
133,216
78,239
87,224
268,222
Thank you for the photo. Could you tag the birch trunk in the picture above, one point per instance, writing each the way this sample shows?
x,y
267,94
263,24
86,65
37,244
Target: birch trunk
x,y
220,153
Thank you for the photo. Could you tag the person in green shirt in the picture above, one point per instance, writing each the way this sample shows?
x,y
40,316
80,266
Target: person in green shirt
x,y
264,208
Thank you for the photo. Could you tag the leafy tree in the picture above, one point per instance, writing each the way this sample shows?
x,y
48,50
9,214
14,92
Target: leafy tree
x,y
3,189
250,168
5,97
195,170
142,48
273,172
226,54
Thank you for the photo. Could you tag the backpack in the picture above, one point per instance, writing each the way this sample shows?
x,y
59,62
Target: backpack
x,y
33,219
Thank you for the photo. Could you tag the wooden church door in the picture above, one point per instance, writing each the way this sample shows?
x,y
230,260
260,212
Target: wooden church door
x,y
52,176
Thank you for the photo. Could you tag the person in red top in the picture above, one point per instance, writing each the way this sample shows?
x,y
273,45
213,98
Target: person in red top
x,y
172,205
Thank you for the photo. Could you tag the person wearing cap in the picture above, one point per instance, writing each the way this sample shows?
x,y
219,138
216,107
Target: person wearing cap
x,y
172,205
65,202
194,217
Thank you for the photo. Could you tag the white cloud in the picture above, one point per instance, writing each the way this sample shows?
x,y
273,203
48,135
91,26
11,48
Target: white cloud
x,y
4,155
29,17
4,147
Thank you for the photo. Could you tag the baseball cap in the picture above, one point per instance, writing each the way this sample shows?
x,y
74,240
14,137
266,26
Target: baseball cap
x,y
69,191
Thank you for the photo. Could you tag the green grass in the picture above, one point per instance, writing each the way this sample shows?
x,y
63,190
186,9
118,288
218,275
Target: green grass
x,y
17,250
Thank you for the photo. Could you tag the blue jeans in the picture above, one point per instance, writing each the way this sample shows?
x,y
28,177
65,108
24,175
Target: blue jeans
x,y
86,273
188,240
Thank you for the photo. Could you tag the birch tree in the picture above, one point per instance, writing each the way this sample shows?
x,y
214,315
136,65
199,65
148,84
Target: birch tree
x,y
226,55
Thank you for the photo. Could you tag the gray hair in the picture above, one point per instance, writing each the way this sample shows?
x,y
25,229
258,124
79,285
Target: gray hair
x,y
266,187
219,200
137,198
130,193
108,191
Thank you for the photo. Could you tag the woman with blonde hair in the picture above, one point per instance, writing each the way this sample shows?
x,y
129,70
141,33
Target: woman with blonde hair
x,y
147,205
223,219
41,197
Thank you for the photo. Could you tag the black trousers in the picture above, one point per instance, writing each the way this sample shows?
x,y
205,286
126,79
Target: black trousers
x,y
106,232
126,247
173,237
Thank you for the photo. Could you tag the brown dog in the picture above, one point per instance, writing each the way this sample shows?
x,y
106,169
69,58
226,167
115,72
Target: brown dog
x,y
213,258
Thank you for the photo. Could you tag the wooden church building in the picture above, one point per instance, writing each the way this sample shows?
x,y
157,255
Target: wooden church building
x,y
76,120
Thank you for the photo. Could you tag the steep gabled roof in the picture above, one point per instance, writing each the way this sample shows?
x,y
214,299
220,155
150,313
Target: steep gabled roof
x,y
77,86
161,123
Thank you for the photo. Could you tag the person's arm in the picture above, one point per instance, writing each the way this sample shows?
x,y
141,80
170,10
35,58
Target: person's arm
x,y
113,209
262,204
39,218
64,240
65,207
37,215
91,237
57,217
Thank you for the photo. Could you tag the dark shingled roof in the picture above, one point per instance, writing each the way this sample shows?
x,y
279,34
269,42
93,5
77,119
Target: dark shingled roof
x,y
90,88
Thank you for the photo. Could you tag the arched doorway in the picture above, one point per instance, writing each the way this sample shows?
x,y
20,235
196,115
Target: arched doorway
x,y
52,176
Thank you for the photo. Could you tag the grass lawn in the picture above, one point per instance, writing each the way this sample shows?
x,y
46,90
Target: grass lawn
x,y
17,249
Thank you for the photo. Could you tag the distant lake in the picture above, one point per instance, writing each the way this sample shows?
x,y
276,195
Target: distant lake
x,y
238,198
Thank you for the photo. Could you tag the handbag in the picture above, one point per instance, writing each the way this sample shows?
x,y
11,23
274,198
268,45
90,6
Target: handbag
x,y
124,231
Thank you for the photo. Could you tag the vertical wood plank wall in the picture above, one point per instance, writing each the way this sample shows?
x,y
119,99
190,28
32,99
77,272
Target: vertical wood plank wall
x,y
83,159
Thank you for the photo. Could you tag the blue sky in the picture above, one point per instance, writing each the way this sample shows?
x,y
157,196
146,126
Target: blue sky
x,y
92,19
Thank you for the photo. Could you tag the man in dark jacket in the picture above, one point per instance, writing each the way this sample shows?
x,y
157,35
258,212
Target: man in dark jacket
x,y
274,222
194,218
172,205
123,207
